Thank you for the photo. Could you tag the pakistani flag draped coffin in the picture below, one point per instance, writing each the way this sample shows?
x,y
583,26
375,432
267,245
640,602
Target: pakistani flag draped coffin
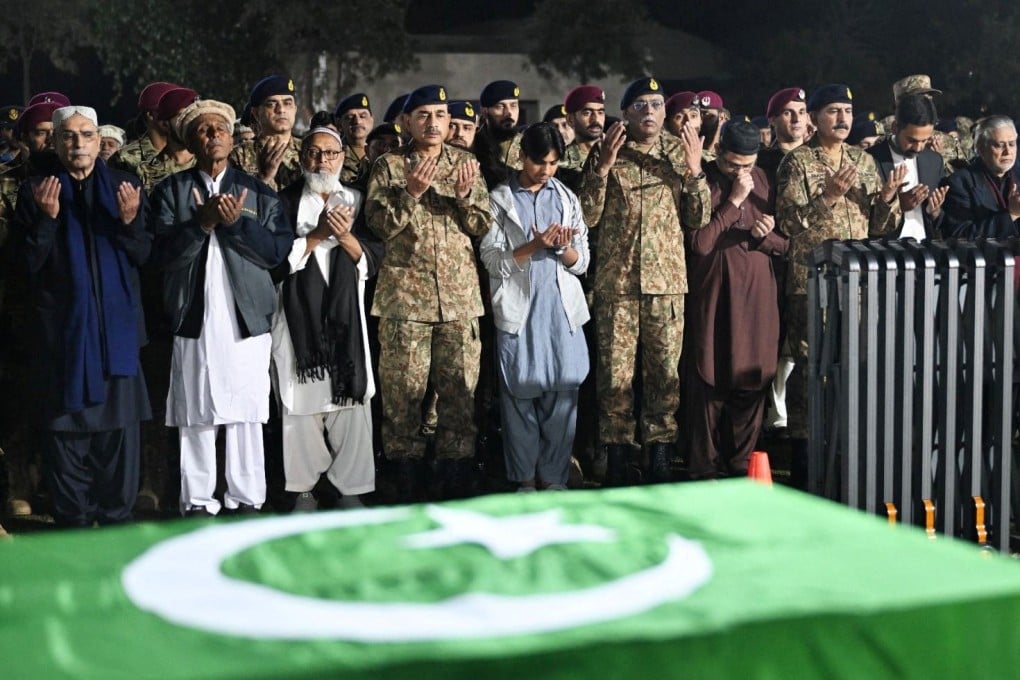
x,y
728,580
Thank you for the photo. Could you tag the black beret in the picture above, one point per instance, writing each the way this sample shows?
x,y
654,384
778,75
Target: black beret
x,y
395,108
270,86
862,129
424,96
947,125
462,109
497,91
639,87
358,100
554,112
9,115
382,130
740,137
829,94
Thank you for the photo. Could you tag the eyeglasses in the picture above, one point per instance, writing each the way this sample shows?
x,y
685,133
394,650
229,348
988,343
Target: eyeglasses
x,y
644,104
86,135
325,154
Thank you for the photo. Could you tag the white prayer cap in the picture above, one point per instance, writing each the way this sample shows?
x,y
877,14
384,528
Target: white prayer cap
x,y
325,131
112,131
65,112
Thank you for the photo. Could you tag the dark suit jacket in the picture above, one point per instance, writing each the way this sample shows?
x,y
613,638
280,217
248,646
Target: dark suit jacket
x,y
972,209
44,259
929,173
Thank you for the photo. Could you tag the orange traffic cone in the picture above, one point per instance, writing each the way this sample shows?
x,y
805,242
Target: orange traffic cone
x,y
759,469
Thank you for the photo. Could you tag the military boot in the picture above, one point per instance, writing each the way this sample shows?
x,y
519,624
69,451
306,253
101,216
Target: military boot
x,y
617,465
660,463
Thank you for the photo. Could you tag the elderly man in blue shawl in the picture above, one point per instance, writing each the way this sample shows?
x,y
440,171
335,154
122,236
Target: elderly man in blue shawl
x,y
82,235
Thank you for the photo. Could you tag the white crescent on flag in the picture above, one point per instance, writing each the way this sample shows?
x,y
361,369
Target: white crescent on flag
x,y
181,581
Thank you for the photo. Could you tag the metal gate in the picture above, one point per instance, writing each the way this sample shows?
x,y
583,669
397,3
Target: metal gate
x,y
910,381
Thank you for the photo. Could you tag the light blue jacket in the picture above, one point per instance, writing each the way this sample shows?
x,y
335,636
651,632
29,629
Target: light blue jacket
x,y
510,283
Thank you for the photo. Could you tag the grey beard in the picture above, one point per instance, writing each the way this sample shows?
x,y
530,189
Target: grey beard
x,y
322,182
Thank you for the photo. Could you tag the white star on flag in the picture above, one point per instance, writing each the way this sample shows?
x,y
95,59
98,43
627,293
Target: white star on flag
x,y
504,537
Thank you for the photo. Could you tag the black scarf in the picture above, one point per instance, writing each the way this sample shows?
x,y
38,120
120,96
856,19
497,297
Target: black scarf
x,y
325,325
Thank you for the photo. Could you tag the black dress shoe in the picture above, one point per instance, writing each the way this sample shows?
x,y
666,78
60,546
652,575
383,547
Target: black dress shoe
x,y
198,511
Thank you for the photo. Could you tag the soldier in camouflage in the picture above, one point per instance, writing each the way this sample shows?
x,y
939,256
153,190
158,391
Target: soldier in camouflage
x,y
463,124
498,142
275,155
145,148
426,201
826,190
586,112
174,157
641,188
353,114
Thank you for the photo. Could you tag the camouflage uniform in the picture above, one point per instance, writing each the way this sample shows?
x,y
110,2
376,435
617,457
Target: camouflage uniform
x,y
569,171
499,158
355,170
133,154
803,216
246,157
428,296
641,280
159,168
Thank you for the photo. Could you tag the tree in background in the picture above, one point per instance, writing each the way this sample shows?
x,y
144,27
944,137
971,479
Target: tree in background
x,y
588,40
41,28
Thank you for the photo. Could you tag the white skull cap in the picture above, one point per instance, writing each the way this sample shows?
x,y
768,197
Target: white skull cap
x,y
65,112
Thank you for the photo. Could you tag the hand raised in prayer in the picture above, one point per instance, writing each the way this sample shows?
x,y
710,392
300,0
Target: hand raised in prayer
x,y
420,176
270,158
466,174
229,207
612,142
894,183
935,200
763,226
129,199
912,198
839,182
47,196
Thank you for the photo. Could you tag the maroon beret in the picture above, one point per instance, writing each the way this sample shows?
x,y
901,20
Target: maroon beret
x,y
679,102
174,101
149,98
780,99
581,95
710,100
35,114
49,98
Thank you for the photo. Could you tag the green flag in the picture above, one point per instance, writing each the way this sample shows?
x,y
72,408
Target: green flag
x,y
707,580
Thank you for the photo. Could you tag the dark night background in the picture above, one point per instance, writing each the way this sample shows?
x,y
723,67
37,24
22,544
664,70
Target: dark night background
x,y
89,49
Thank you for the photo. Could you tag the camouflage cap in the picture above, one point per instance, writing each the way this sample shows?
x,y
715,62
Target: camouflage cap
x,y
919,84
463,109
638,88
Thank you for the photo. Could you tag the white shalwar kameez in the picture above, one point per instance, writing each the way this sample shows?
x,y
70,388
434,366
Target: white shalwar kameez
x,y
345,453
220,379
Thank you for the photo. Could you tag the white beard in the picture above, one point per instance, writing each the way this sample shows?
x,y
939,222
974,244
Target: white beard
x,y
321,182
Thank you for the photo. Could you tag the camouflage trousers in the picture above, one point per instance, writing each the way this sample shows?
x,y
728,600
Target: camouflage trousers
x,y
658,322
410,353
796,384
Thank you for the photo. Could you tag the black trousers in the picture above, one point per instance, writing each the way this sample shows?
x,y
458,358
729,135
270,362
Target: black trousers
x,y
92,476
